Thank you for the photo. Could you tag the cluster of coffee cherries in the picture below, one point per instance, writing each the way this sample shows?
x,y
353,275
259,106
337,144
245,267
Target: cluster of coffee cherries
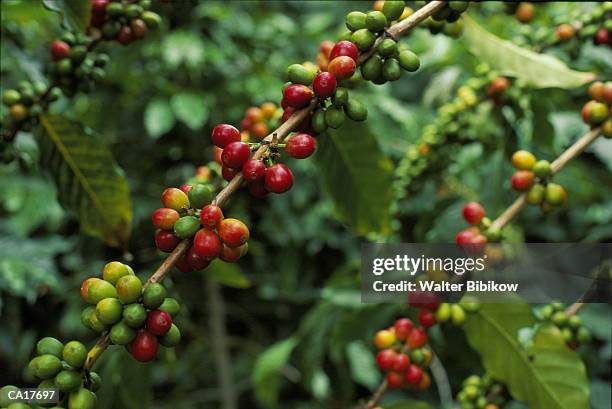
x,y
258,121
595,24
75,67
403,355
25,102
598,111
572,330
61,366
123,20
189,214
481,232
447,19
135,315
482,393
433,311
533,177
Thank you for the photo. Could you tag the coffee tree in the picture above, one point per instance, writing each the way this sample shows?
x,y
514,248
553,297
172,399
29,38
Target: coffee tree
x,y
338,352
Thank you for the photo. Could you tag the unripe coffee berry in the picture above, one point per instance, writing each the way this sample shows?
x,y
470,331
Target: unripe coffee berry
x,y
384,339
206,244
555,194
74,354
279,178
199,195
299,74
376,21
473,212
254,169
409,60
224,134
535,195
342,66
174,198
164,218
172,338
344,48
300,146
542,169
144,346
122,334
109,310
134,315
129,289
233,232
186,227
99,290
393,9
158,322
235,154
324,85
153,295
297,95
523,160
522,180
211,216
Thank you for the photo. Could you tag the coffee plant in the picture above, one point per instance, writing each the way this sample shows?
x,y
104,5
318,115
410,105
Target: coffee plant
x,y
412,135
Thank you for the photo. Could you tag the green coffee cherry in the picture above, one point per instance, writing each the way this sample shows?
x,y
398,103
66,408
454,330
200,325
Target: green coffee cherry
x,y
547,312
49,345
151,19
409,60
134,315
172,337
114,270
391,70
82,398
94,322
372,68
363,38
122,334
393,9
555,194
4,392
387,47
153,295
567,334
341,96
100,290
458,6
443,312
535,195
542,169
355,20
11,97
376,21
493,234
574,321
171,306
319,125
18,405
298,74
559,318
186,227
457,315
417,356
129,289
74,354
356,110
334,117
583,335
471,391
46,366
68,380
109,310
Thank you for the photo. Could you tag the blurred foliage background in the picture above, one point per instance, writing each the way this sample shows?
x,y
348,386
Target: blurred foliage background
x,y
298,289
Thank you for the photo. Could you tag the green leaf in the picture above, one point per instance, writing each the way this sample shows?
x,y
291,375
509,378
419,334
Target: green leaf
x,y
358,176
158,117
183,47
265,375
537,70
75,14
546,374
228,274
363,365
190,109
89,181
408,404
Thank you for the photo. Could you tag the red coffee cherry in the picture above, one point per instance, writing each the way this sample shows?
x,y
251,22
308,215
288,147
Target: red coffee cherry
x,y
185,188
158,322
465,236
229,173
235,154
417,338
300,146
403,327
206,244
174,198
324,85
59,50
401,363
522,180
183,265
498,86
325,47
125,36
287,113
279,178
166,241
211,216
413,375
386,358
427,318
233,232
196,262
258,189
424,299
98,7
602,37
394,380
224,134
342,67
232,254
254,169
297,96
164,218
473,212
144,347
344,48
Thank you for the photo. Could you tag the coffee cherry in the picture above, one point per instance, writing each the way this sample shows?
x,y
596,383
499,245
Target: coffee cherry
x,y
596,91
229,173
387,48
129,289
401,362
300,146
403,327
417,338
297,95
473,212
82,399
232,254
465,236
344,48
125,35
409,60
233,232
90,320
258,189
211,216
602,36
199,195
45,366
535,195
260,130
523,160
391,70
606,128
121,334
324,85
393,9
457,315
385,359
59,50
174,198
206,244
498,86
49,345
371,70
355,20
99,6
334,117
363,39
413,375
186,227
153,295
542,169
565,32
158,322
144,346
18,112
278,178
114,270
99,290
172,338
598,113
134,315
342,66
67,380
109,310
376,21
424,299
224,134
235,154
583,335
525,12
555,194
458,6
522,180
254,169
166,241
427,318
384,339
394,380
164,218
74,354
299,74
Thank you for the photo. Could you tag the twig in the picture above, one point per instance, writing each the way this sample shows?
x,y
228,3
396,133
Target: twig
x,y
169,262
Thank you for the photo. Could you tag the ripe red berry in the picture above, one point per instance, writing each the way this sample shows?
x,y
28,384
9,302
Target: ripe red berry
x,y
417,338
324,85
301,146
232,254
59,50
98,7
235,154
258,189
183,265
174,198
427,318
224,134
166,241
473,212
498,86
144,347
385,359
413,374
185,188
465,236
125,36
233,232
342,67
344,48
424,299
195,261
403,326
229,173
164,218
158,322
279,178
211,216
401,363
602,37
297,96
586,111
287,113
522,180
206,244
325,47
394,380
254,169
